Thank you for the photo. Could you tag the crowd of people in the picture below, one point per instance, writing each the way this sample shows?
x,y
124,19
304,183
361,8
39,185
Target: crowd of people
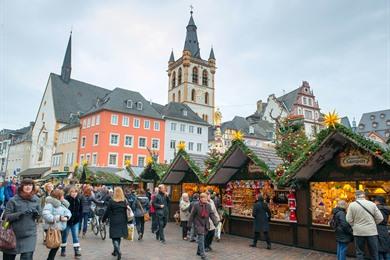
x,y
69,209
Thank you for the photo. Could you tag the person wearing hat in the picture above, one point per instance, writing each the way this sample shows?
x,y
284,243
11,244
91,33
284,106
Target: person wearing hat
x,y
383,234
363,216
22,211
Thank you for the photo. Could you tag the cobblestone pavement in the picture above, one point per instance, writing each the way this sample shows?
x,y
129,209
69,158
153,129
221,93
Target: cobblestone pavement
x,y
230,247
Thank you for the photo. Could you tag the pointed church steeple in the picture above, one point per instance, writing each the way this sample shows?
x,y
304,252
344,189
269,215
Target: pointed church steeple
x,y
212,56
191,43
67,64
171,58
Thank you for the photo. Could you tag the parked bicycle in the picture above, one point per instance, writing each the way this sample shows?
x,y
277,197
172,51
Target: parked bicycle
x,y
97,225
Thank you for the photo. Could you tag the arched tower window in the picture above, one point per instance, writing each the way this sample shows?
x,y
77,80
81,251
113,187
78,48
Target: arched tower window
x,y
173,97
206,118
173,79
206,98
193,95
205,77
179,96
195,75
179,77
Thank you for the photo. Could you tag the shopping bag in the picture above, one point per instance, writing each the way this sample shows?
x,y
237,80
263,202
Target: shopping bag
x,y
130,232
146,217
53,238
7,236
129,213
218,230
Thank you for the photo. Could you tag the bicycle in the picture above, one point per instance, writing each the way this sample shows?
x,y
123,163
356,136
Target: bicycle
x,y
97,225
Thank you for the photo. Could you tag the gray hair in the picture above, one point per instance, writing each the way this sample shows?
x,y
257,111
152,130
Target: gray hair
x,y
360,194
342,204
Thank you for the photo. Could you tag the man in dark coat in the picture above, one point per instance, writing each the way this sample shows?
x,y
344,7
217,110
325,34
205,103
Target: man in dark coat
x,y
200,214
195,200
342,229
383,233
262,216
160,204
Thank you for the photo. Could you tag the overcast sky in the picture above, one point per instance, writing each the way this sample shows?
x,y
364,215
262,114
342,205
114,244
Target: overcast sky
x,y
342,48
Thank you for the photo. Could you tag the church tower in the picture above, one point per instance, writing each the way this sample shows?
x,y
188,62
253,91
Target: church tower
x,y
191,79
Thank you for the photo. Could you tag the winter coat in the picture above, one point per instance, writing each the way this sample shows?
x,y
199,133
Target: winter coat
x,y
152,209
75,208
161,200
363,224
138,202
184,210
8,192
201,224
23,223
342,229
86,202
262,216
214,209
116,212
2,194
52,212
383,233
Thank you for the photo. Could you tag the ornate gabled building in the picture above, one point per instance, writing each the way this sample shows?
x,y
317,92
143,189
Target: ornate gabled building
x,y
191,78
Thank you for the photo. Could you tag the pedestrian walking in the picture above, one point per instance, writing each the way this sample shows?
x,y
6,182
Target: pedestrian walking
x,y
73,223
160,204
141,206
86,202
195,200
55,215
184,206
383,233
153,211
363,215
116,212
211,232
22,211
200,214
342,229
262,216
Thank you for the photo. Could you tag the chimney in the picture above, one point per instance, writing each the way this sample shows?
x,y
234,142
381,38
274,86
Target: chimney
x,y
259,108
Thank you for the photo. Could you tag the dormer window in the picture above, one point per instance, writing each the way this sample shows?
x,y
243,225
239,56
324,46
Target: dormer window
x,y
388,122
372,117
382,115
361,126
139,105
251,130
129,103
374,124
185,112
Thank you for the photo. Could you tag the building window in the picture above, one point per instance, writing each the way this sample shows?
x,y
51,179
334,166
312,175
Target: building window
x,y
191,129
388,122
182,127
382,115
93,121
128,141
114,119
139,105
173,79
193,95
156,126
125,121
199,130
304,100
299,111
205,78
185,112
81,158
88,158
114,139
127,158
190,146
310,102
179,96
94,159
141,142
179,77
308,114
155,144
98,120
89,122
195,75
173,126
199,147
361,126
129,103
95,139
141,160
206,98
83,141
374,124
173,97
112,159
146,124
136,123
173,144
372,117
251,130
84,123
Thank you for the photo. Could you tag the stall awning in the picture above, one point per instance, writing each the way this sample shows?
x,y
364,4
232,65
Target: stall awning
x,y
108,175
55,175
34,173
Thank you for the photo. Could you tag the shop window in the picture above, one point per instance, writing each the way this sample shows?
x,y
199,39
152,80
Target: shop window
x,y
195,75
205,78
179,77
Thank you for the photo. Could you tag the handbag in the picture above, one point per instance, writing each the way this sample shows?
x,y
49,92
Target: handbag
x,y
146,214
53,237
7,235
129,213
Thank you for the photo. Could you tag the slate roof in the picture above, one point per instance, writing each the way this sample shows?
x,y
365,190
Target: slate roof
x,y
70,126
172,58
191,42
212,56
345,122
199,160
289,99
73,97
117,99
261,129
174,110
366,124
269,156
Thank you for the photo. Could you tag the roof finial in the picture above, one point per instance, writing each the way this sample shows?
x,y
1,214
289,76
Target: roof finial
x,y
192,9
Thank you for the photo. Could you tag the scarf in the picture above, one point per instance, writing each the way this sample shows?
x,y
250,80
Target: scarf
x,y
203,211
26,196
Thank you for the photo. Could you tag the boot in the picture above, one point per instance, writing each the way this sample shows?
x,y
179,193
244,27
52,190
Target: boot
x,y
77,251
63,251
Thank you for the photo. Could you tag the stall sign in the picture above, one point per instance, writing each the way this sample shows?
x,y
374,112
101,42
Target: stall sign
x,y
355,158
253,168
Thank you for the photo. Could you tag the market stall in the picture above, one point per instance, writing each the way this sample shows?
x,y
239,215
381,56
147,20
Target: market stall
x,y
152,174
243,171
334,167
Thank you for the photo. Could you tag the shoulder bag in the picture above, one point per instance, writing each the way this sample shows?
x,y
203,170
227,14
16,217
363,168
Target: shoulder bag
x,y
129,212
53,237
145,213
7,235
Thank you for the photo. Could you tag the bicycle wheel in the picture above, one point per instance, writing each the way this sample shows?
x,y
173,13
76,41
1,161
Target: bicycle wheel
x,y
95,225
103,231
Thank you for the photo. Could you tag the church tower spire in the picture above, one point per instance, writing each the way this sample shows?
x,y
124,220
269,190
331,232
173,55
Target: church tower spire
x,y
191,43
67,64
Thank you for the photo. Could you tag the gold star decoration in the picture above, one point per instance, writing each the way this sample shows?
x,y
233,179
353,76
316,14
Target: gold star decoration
x,y
331,119
84,163
127,163
238,136
76,165
181,146
149,160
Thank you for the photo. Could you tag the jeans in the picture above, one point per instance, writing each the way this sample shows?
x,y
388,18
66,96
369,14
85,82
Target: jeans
x,y
116,242
342,250
75,235
192,232
52,253
384,256
140,224
184,228
23,256
200,240
372,242
266,237
209,238
161,220
84,221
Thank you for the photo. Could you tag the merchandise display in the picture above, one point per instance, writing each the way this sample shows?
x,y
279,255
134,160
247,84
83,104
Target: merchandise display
x,y
191,188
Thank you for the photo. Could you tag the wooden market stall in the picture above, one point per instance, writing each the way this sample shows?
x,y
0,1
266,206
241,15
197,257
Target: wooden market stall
x,y
244,172
152,174
187,173
335,166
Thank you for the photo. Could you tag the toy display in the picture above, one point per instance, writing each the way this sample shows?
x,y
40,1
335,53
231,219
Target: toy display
x,y
191,188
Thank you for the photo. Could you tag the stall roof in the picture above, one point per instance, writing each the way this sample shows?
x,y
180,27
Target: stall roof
x,y
328,143
238,155
56,175
154,171
34,172
186,167
109,175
